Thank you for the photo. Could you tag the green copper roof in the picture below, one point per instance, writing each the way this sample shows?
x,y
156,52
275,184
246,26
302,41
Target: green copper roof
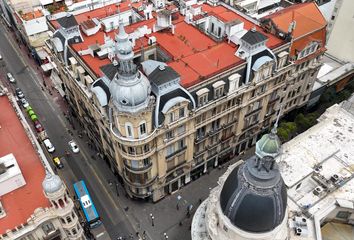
x,y
268,145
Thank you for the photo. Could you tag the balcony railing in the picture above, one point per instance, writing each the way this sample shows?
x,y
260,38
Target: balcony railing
x,y
253,111
52,235
147,183
200,138
138,156
139,169
214,131
132,141
169,157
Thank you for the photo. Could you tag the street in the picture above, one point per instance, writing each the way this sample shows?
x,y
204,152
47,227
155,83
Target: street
x,y
80,166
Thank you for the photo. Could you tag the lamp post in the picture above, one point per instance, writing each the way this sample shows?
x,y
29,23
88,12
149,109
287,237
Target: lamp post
x,y
152,219
178,199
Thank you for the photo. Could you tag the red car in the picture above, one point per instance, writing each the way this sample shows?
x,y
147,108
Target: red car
x,y
38,126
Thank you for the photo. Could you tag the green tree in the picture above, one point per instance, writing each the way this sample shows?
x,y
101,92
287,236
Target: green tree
x,y
287,130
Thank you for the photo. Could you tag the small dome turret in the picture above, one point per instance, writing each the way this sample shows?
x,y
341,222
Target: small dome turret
x,y
268,145
130,89
51,183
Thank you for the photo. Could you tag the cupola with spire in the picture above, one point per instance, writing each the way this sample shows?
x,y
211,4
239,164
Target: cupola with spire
x,y
130,89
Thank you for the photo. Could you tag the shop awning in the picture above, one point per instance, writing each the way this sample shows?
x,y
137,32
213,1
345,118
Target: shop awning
x,y
48,66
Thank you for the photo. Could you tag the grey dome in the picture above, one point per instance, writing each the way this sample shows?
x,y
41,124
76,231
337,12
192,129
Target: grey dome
x,y
253,198
129,93
51,183
130,90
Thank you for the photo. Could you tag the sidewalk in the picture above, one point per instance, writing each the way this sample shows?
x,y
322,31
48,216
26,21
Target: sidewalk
x,y
167,218
48,85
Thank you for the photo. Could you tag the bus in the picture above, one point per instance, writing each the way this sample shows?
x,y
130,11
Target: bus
x,y
87,206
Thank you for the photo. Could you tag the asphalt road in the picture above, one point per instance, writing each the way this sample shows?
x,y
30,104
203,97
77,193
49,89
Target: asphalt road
x,y
84,165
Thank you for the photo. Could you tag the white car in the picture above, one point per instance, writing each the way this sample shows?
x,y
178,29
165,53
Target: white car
x,y
24,103
10,77
49,145
74,146
0,57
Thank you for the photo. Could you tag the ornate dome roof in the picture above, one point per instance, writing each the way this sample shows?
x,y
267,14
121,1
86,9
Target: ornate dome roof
x,y
51,183
130,90
254,196
130,93
268,145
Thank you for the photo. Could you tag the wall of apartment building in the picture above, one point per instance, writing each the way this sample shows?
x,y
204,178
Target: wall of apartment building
x,y
42,225
231,124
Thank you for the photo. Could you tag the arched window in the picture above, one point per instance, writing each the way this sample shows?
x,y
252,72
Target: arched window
x,y
61,203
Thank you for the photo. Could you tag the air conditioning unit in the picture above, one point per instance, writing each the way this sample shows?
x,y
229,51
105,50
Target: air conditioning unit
x,y
300,222
335,178
318,191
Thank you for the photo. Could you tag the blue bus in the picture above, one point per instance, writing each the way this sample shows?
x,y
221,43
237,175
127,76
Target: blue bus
x,y
87,206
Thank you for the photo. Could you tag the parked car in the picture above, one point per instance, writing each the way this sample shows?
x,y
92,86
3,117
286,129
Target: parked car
x,y
74,146
49,145
10,77
19,93
58,163
38,126
24,103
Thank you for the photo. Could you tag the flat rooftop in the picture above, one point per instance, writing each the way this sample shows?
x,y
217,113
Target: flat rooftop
x,y
20,203
194,55
313,159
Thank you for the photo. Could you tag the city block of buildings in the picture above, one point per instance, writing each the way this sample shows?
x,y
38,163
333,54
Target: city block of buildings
x,y
34,203
168,90
301,190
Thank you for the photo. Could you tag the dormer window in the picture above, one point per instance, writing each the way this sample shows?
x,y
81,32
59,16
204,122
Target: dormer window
x,y
309,49
218,89
202,95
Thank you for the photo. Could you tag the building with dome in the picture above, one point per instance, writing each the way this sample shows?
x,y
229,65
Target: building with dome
x,y
302,190
250,201
166,93
34,203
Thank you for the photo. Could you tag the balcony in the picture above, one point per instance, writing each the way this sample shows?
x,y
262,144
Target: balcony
x,y
55,234
200,138
132,141
272,100
140,169
176,153
226,125
148,182
138,156
227,137
250,126
253,111
214,131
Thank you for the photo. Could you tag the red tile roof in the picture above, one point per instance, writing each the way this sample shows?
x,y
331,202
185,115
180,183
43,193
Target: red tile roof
x,y
194,55
310,24
307,16
20,203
